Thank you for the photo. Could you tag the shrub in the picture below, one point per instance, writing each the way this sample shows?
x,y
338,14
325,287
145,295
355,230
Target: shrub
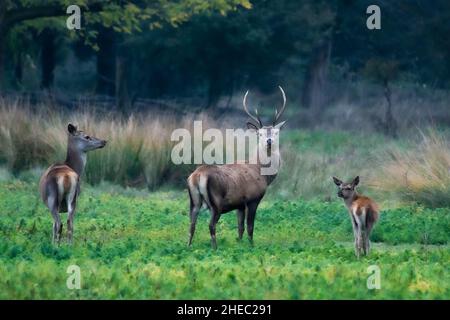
x,y
421,175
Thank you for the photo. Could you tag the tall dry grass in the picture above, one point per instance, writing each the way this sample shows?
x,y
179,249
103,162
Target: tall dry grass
x,y
421,174
137,154
139,149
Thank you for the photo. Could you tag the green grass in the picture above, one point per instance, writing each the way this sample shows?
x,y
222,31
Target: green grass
x,y
132,244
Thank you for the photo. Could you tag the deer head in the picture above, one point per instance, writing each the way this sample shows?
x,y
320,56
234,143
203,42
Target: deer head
x,y
81,142
267,134
346,190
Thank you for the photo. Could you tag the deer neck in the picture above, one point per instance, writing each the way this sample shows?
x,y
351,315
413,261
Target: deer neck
x,y
274,156
349,201
76,159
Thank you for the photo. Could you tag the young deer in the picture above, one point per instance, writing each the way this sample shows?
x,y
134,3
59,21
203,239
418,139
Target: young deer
x,y
60,184
363,212
235,186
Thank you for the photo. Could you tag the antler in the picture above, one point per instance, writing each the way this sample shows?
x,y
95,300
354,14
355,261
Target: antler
x,y
257,119
278,114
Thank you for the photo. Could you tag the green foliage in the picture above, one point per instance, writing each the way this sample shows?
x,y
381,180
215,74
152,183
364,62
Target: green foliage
x,y
134,246
244,43
20,18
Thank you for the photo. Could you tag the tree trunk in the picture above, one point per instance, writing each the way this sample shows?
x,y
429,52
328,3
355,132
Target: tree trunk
x,y
122,95
2,60
18,70
313,95
19,14
48,58
3,30
390,124
106,62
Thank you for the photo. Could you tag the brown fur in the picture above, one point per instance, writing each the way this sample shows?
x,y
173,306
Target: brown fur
x,y
225,184
362,202
57,173
59,186
239,186
225,188
363,212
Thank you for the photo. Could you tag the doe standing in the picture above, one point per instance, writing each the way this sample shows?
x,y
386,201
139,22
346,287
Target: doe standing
x,y
60,184
363,212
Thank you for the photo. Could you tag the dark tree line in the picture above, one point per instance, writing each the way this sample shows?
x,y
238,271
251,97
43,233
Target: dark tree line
x,y
179,49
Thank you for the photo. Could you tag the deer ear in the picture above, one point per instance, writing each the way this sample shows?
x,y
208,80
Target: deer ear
x,y
355,181
71,128
337,181
252,126
280,125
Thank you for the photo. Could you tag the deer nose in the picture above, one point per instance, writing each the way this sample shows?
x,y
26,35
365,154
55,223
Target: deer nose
x,y
269,141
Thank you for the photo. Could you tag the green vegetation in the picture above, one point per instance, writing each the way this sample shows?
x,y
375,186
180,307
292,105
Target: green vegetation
x,y
131,244
137,70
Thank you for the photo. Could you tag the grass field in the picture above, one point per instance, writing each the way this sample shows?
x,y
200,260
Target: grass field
x,y
132,245
131,226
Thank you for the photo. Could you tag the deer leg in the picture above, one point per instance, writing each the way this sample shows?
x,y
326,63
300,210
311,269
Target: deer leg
x,y
71,210
215,216
363,241
195,204
194,214
251,214
52,204
363,231
367,243
241,220
358,243
354,225
357,235
57,227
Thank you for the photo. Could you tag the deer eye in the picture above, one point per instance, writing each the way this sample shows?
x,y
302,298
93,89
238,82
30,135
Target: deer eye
x,y
88,138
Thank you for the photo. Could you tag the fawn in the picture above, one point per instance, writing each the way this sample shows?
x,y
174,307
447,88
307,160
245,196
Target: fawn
x,y
60,184
363,212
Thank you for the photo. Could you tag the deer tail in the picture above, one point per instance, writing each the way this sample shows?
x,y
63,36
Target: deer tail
x,y
204,189
198,190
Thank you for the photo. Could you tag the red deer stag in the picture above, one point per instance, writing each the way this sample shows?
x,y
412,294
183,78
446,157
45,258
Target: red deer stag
x,y
240,186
